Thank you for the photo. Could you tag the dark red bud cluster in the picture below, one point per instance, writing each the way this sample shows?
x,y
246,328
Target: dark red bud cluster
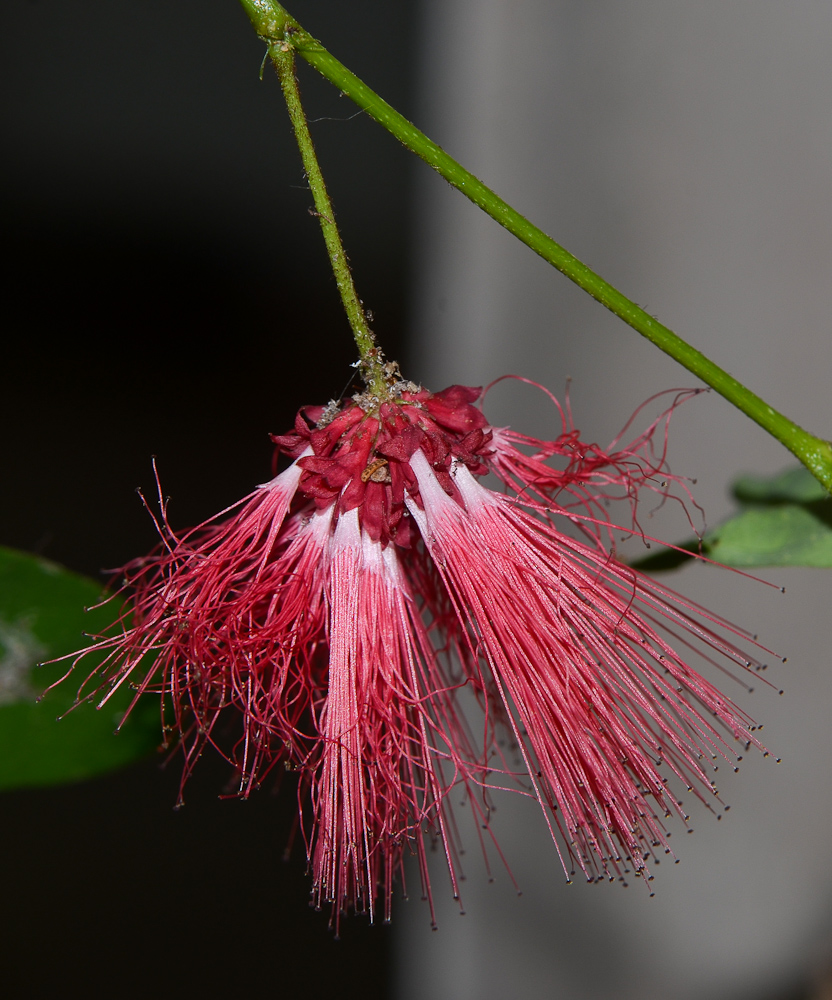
x,y
361,457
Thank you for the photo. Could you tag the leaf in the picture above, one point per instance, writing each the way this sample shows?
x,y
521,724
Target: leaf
x,y
41,617
785,520
796,485
669,558
783,535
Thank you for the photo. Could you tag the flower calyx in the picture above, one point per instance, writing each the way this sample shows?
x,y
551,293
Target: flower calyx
x,y
361,452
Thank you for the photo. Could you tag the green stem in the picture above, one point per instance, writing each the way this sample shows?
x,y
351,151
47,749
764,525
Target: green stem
x,y
275,25
372,361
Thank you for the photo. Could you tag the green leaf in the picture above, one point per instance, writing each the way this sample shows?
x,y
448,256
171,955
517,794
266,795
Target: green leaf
x,y
667,559
785,520
41,617
783,535
796,485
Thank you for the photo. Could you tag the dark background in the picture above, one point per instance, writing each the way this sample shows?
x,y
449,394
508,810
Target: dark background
x,y
167,294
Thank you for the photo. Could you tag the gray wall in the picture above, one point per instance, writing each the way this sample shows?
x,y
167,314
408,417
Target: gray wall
x,y
684,151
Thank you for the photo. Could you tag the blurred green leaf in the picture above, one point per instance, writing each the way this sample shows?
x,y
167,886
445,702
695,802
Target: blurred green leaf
x,y
41,617
785,520
784,535
667,559
796,485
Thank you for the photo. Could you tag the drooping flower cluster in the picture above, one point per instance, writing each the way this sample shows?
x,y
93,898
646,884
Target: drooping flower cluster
x,y
326,625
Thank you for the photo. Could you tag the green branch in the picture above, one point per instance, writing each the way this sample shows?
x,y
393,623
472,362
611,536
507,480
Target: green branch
x,y
276,26
372,364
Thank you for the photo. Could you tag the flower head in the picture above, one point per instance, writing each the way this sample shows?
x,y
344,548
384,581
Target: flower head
x,y
325,625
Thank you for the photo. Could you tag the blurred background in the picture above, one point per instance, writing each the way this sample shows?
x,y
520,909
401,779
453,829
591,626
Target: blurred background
x,y
168,294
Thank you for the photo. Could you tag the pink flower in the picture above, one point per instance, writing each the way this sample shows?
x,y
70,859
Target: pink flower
x,y
325,625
